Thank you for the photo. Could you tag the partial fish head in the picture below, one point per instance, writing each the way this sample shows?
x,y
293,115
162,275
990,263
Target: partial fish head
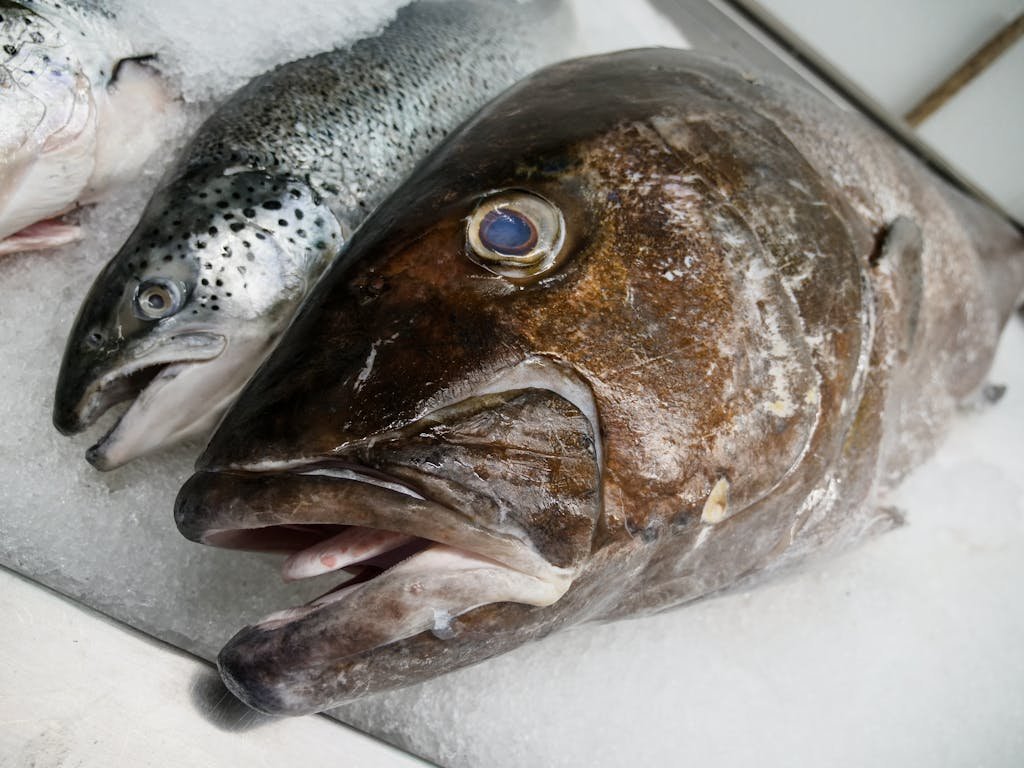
x,y
47,124
524,335
190,305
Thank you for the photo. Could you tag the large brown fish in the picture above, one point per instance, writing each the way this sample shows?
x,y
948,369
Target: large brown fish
x,y
642,328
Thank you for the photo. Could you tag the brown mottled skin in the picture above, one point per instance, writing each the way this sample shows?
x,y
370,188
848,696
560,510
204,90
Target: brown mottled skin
x,y
755,286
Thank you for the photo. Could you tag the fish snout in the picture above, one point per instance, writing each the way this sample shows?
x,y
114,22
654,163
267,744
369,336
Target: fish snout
x,y
78,400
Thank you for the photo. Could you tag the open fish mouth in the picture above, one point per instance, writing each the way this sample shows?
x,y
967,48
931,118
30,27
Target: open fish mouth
x,y
151,381
49,233
140,386
486,503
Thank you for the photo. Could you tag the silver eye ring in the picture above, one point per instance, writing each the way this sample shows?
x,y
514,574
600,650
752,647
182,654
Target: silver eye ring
x,y
516,234
157,298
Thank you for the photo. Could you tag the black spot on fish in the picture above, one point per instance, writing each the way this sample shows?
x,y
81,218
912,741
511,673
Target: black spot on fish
x,y
248,212
237,226
212,231
299,214
282,223
272,205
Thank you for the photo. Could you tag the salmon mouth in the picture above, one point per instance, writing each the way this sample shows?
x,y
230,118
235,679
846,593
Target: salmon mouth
x,y
419,553
84,394
133,386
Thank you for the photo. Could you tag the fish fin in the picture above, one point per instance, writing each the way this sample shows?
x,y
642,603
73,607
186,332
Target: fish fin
x,y
900,253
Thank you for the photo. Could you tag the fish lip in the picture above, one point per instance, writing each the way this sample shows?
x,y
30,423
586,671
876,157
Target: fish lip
x,y
72,415
373,489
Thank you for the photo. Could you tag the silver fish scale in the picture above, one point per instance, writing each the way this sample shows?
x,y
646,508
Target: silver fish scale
x,y
352,122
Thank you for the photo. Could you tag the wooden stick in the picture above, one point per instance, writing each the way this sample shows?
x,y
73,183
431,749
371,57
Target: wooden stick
x,y
970,69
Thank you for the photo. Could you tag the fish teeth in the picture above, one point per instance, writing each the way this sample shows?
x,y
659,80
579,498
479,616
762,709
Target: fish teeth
x,y
351,546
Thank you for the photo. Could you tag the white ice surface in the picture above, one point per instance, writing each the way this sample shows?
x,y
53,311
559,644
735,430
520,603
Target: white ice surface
x,y
904,652
211,48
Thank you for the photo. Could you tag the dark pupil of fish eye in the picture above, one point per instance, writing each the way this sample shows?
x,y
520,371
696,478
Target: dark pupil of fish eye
x,y
509,232
155,300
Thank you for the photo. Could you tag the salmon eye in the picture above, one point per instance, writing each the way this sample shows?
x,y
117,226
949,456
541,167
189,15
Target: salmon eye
x,y
515,234
156,299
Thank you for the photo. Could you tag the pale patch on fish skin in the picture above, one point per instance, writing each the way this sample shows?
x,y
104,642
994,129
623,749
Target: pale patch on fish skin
x,y
364,374
716,508
779,350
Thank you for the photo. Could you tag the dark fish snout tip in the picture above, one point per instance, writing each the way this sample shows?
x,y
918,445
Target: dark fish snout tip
x,y
67,421
192,506
96,456
246,684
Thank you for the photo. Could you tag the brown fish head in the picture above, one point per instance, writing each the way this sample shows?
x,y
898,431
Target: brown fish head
x,y
541,353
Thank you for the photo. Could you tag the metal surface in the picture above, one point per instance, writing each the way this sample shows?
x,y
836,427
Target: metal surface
x,y
79,690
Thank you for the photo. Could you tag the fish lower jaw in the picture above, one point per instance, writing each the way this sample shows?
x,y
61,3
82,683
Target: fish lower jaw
x,y
397,587
408,569
364,554
50,233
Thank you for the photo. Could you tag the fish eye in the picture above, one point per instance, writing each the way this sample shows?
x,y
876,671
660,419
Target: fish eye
x,y
515,234
156,299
